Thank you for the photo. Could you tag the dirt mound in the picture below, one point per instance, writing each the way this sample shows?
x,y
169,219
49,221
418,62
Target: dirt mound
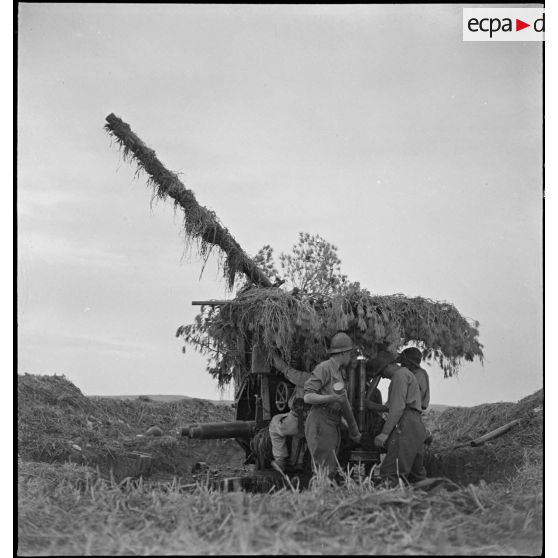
x,y
33,390
452,456
458,425
57,423
461,425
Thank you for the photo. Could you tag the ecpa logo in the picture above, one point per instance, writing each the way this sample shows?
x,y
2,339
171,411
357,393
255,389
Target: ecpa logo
x,y
503,24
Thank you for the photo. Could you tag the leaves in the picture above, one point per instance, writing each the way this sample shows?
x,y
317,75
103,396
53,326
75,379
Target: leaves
x,y
313,266
300,328
264,260
299,323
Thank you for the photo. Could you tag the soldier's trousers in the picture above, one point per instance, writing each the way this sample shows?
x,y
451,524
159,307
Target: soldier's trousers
x,y
405,449
280,427
323,437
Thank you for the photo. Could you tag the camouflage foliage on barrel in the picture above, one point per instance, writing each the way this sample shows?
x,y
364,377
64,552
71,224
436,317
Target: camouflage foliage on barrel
x,y
296,325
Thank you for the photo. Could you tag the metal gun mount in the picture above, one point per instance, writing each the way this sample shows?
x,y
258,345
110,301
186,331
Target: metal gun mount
x,y
263,393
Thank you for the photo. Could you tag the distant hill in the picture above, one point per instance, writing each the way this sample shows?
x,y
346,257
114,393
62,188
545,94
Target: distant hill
x,y
437,408
169,398
165,398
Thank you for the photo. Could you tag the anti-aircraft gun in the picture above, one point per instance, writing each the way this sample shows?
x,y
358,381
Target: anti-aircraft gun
x,y
265,332
266,389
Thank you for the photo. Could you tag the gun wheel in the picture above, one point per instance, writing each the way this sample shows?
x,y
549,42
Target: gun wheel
x,y
281,396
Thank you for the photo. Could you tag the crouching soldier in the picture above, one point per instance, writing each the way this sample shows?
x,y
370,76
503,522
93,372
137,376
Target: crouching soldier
x,y
403,433
291,423
329,404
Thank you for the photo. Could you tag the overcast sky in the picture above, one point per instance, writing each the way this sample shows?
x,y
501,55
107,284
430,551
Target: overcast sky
x,y
417,154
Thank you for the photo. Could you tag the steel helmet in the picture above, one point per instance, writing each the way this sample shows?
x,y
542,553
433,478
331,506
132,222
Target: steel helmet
x,y
340,343
412,355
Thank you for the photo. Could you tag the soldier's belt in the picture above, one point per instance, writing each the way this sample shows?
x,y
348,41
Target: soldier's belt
x,y
334,413
413,409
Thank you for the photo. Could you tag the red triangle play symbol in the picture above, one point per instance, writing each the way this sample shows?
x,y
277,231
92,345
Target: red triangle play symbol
x,y
519,25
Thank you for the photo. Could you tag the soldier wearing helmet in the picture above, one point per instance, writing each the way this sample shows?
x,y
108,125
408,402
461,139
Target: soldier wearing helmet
x,y
322,429
410,358
403,433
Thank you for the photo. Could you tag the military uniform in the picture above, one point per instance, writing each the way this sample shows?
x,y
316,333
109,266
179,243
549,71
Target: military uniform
x,y
288,424
374,419
411,358
322,428
404,427
424,384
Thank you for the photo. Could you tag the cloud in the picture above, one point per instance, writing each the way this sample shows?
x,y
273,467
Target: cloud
x,y
65,250
40,339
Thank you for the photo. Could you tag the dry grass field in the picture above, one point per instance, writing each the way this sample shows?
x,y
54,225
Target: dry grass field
x,y
77,494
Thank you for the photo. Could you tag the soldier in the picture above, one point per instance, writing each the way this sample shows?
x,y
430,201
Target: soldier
x,y
322,429
374,406
291,423
410,358
403,433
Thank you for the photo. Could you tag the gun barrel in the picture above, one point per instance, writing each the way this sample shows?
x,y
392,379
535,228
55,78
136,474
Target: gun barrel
x,y
216,430
185,430
494,433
